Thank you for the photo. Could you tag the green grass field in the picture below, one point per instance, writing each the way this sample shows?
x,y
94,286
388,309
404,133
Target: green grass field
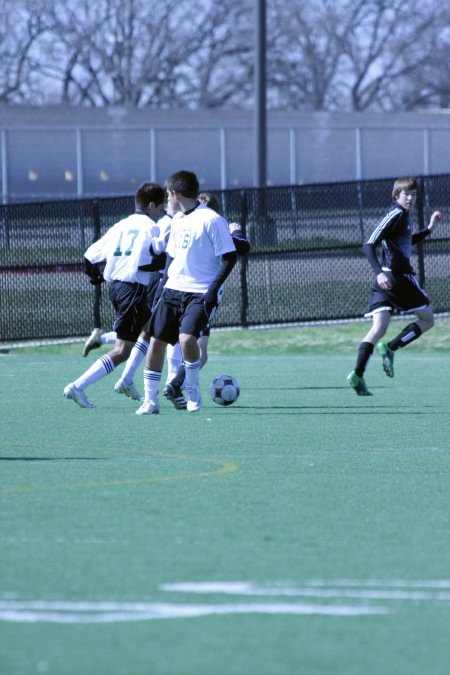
x,y
301,531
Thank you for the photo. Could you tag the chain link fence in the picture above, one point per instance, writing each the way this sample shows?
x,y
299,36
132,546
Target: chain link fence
x,y
306,262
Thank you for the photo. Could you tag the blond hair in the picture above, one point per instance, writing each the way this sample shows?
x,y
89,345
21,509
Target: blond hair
x,y
210,200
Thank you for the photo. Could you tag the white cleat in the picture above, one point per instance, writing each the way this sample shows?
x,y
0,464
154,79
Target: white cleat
x,y
78,396
148,408
194,401
122,387
93,341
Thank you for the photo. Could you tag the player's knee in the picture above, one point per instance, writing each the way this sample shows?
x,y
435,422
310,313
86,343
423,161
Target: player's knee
x,y
427,323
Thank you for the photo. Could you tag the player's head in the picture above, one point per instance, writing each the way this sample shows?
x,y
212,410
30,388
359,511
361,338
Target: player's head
x,y
208,199
148,193
184,182
408,184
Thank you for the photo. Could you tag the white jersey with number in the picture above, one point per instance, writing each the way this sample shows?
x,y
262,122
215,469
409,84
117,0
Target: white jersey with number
x,y
196,243
159,242
125,247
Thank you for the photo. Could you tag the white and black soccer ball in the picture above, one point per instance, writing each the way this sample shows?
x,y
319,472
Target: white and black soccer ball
x,y
224,390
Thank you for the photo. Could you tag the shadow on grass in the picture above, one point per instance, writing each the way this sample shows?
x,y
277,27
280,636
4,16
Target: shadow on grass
x,y
51,459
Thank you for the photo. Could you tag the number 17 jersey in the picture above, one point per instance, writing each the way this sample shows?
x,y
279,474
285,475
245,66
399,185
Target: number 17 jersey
x,y
125,247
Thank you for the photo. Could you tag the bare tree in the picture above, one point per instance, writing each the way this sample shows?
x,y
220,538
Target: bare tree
x,y
321,55
221,68
349,55
117,52
382,51
22,24
304,55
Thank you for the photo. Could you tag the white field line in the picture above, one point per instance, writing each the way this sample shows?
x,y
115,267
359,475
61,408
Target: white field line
x,y
316,590
367,593
78,612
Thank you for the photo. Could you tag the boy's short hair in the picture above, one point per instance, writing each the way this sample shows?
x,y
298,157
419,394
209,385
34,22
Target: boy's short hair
x,y
210,200
184,182
407,183
148,192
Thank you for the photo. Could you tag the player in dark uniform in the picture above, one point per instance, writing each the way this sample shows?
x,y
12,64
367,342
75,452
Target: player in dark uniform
x,y
395,287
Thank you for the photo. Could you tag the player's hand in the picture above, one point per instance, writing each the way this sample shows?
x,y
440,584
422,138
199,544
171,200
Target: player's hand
x,y
435,218
384,281
97,280
233,227
210,300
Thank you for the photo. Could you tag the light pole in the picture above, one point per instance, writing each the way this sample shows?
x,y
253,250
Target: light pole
x,y
260,123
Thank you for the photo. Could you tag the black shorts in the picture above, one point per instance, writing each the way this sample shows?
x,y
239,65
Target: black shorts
x,y
131,306
405,295
178,312
155,278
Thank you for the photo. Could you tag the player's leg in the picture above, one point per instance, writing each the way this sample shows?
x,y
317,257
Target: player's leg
x,y
175,377
413,330
102,367
125,384
194,322
191,357
163,327
174,362
410,297
152,376
203,346
380,323
129,301
93,341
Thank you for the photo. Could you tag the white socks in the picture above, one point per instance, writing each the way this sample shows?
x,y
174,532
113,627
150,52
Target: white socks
x,y
152,378
99,369
135,359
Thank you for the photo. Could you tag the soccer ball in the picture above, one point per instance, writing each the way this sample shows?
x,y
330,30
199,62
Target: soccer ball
x,y
224,390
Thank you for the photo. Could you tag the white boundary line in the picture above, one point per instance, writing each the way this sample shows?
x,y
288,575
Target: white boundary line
x,y
363,595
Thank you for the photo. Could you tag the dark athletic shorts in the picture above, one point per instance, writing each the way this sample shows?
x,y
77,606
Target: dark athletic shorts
x,y
405,295
155,278
178,312
131,305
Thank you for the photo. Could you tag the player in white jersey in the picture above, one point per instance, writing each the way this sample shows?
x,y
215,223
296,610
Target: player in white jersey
x,y
200,256
175,367
125,384
125,250
98,337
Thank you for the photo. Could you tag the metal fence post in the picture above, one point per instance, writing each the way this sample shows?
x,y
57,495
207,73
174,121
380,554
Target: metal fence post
x,y
243,266
420,203
98,288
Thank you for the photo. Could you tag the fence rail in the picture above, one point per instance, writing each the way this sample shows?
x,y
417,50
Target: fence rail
x,y
306,262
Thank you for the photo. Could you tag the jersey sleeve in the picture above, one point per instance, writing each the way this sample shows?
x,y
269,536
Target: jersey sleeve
x,y
386,225
98,251
220,235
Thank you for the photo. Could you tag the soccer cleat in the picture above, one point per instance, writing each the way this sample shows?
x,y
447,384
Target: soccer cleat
x,y
358,384
387,355
122,387
148,408
78,396
173,393
93,341
194,401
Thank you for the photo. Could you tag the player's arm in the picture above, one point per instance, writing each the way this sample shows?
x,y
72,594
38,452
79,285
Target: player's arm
x,y
95,258
371,255
421,234
94,271
382,278
162,281
227,264
240,241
